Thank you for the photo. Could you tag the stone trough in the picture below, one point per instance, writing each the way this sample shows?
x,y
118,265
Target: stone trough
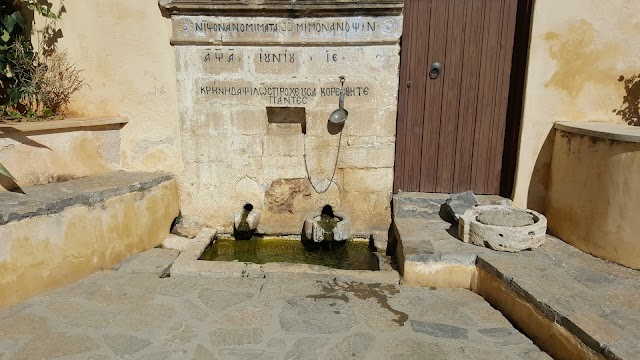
x,y
502,228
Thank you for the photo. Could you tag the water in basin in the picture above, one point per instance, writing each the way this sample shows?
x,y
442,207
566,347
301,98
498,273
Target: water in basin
x,y
349,255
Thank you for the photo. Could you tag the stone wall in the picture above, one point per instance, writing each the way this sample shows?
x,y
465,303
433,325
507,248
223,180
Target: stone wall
x,y
255,96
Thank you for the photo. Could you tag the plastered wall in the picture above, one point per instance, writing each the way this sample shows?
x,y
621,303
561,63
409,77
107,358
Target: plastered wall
x,y
582,51
123,48
594,192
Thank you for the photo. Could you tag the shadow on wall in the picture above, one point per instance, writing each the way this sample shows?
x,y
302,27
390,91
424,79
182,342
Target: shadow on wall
x,y
630,109
537,195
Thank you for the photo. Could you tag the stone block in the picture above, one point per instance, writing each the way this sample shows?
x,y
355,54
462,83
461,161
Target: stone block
x,y
246,145
249,121
175,242
263,30
372,121
283,167
284,128
366,180
364,157
284,144
282,195
153,261
458,204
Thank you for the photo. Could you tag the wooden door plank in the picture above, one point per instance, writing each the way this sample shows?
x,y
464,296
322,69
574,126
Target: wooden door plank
x,y
486,96
406,159
502,94
447,143
416,94
405,65
437,43
469,94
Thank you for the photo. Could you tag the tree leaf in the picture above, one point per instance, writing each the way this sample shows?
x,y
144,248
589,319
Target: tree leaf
x,y
5,172
5,36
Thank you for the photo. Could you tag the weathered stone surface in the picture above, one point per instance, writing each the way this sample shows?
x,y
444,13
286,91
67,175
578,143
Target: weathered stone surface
x,y
180,334
356,346
187,231
236,337
47,345
55,197
458,204
153,261
307,348
511,217
508,238
202,353
311,316
175,242
202,317
440,330
125,345
282,193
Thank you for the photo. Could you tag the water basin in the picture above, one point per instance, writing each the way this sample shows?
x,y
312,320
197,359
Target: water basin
x,y
349,255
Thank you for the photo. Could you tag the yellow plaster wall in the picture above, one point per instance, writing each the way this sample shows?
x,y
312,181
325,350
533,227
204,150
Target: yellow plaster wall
x,y
41,253
580,51
123,48
52,156
594,196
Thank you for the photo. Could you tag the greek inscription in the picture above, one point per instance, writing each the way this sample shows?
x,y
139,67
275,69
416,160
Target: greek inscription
x,y
347,26
285,95
220,56
277,58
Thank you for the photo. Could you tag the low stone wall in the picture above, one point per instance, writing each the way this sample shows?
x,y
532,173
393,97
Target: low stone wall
x,y
594,190
53,151
59,233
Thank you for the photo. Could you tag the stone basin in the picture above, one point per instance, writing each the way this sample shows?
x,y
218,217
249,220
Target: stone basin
x,y
502,228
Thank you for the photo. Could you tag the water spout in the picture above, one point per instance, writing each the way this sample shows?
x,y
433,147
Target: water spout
x,y
245,222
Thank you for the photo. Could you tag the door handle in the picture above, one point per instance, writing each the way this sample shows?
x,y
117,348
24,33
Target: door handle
x,y
436,69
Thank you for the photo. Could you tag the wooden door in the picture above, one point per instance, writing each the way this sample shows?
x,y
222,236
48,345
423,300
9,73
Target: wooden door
x,y
450,135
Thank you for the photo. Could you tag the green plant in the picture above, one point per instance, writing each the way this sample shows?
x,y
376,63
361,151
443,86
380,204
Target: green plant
x,y
5,172
33,83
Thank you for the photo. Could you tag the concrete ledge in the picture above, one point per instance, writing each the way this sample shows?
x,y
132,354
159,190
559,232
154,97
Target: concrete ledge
x,y
60,233
65,124
603,130
53,198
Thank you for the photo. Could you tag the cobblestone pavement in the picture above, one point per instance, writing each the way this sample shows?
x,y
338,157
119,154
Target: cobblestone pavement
x,y
113,314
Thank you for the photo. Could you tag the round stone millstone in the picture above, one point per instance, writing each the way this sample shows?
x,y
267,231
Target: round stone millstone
x,y
512,217
502,228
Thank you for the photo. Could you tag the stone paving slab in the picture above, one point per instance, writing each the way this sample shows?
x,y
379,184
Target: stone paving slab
x,y
112,315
